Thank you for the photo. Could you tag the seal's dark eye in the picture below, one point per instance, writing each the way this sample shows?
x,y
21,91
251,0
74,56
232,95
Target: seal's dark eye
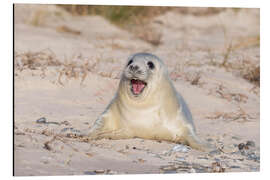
x,y
129,62
151,65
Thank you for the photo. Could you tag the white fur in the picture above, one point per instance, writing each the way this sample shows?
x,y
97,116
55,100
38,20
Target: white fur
x,y
158,113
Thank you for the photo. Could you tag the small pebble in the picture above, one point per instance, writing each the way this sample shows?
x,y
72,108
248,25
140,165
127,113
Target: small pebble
x,y
66,129
236,138
243,152
252,156
169,171
99,171
250,143
65,123
41,120
235,145
234,167
75,131
89,173
56,123
202,158
180,148
241,146
47,146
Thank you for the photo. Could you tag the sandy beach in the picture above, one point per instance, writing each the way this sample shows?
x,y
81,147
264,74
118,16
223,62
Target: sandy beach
x,y
67,69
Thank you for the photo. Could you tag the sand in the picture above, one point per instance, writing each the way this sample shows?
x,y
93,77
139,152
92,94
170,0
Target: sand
x,y
67,69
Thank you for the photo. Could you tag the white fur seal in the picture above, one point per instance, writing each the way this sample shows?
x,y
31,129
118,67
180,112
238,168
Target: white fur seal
x,y
147,106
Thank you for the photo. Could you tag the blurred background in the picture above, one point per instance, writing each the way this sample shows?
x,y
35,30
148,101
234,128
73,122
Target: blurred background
x,y
227,37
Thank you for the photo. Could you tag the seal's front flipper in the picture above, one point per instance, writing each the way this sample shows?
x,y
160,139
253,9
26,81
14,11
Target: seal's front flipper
x,y
106,126
96,128
100,133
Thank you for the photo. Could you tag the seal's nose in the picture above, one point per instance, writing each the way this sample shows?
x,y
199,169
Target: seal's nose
x,y
133,67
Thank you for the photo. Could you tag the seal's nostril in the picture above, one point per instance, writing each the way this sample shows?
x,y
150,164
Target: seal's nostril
x,y
136,68
133,68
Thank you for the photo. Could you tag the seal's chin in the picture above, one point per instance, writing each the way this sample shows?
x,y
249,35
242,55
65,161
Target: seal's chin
x,y
137,86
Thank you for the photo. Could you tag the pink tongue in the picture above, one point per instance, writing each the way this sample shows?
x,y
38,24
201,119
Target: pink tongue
x,y
137,86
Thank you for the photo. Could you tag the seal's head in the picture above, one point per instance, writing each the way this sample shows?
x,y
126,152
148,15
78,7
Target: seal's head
x,y
141,74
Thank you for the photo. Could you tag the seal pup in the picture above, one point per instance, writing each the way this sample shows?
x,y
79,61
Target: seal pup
x,y
146,105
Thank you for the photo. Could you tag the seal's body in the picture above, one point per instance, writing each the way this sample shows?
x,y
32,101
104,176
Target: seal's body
x,y
147,106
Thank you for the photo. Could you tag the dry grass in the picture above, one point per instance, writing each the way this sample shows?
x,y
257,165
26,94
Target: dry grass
x,y
238,116
247,68
232,60
244,66
66,29
194,78
125,13
224,93
199,11
72,70
247,42
42,14
77,67
33,60
119,15
252,74
226,55
38,18
136,18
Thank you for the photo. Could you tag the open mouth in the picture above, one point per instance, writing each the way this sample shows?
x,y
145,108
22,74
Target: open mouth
x,y
137,86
